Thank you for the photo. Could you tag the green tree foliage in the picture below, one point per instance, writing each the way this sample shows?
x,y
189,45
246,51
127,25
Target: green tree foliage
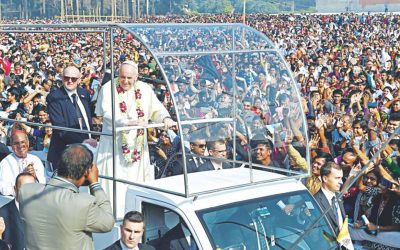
x,y
257,6
35,8
212,6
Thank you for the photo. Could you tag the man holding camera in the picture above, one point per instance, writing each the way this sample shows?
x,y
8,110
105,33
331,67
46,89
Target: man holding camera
x,y
56,215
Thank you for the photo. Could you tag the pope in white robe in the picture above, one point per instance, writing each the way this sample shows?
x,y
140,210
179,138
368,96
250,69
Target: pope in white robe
x,y
135,104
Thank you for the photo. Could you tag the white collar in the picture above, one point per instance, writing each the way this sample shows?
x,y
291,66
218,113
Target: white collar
x,y
216,165
124,247
18,158
328,194
16,204
70,93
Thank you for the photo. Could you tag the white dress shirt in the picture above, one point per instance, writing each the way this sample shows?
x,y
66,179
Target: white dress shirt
x,y
12,166
124,247
329,195
80,105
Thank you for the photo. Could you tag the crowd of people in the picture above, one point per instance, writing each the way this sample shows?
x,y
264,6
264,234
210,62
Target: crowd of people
x,y
346,69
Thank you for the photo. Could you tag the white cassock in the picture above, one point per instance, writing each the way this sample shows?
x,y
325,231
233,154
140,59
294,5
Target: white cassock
x,y
139,171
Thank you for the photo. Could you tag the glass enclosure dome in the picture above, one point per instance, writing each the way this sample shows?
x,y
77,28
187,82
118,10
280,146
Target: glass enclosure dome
x,y
227,82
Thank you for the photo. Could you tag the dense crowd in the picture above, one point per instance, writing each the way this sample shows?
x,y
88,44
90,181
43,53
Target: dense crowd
x,y
346,68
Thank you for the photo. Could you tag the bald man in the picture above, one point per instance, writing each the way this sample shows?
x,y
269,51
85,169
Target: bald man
x,y
68,107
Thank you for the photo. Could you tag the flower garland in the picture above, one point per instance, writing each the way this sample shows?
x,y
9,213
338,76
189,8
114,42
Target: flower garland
x,y
132,151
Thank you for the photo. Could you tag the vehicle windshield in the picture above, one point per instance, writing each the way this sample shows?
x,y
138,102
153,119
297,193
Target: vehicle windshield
x,y
267,223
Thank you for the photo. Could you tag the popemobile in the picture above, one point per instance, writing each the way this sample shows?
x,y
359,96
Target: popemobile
x,y
238,156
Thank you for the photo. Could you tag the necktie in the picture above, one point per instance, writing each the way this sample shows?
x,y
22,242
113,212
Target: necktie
x,y
335,209
78,111
198,161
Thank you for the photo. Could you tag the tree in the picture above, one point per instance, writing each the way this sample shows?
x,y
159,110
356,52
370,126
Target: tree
x,y
35,8
257,6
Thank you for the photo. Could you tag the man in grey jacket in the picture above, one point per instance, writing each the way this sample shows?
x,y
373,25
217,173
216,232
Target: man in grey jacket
x,y
56,215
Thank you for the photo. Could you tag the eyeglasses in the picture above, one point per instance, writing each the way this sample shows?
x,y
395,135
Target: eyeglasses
x,y
200,145
73,79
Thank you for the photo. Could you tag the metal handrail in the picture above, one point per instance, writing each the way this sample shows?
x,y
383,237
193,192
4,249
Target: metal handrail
x,y
76,130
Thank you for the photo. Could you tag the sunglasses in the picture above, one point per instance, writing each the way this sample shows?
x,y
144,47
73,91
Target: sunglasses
x,y
73,79
200,145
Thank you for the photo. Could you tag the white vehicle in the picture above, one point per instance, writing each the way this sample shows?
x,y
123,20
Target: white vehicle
x,y
264,215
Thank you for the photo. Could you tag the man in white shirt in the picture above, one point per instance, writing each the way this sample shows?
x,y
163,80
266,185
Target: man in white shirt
x,y
17,162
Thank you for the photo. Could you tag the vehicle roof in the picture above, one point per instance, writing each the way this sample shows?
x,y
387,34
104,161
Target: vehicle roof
x,y
220,182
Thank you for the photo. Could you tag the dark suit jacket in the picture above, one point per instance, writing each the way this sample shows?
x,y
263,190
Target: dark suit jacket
x,y
207,165
174,239
191,166
62,113
14,233
324,204
117,246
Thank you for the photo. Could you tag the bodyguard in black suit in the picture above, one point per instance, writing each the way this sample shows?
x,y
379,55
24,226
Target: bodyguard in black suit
x,y
331,175
216,149
14,232
68,107
208,165
192,165
132,230
193,158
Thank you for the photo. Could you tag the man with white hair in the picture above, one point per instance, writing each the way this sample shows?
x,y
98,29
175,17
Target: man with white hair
x,y
135,104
